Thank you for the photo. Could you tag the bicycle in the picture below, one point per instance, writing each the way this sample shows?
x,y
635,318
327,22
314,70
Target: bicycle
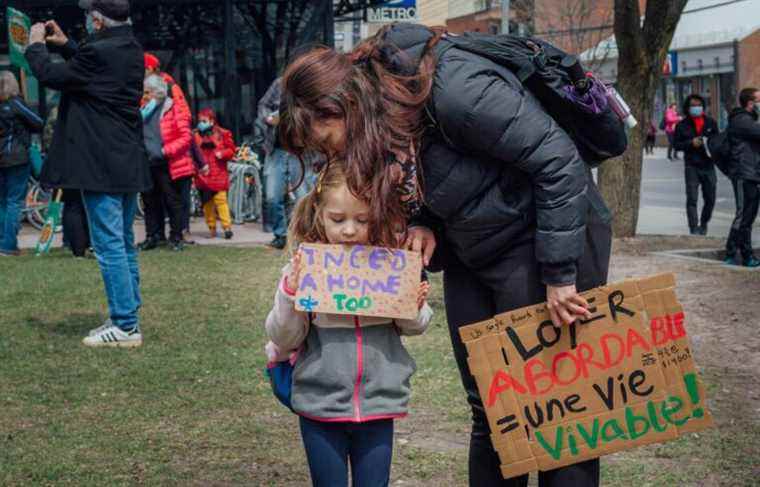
x,y
36,205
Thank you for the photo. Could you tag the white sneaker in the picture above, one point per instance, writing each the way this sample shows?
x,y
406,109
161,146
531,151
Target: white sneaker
x,y
106,324
113,336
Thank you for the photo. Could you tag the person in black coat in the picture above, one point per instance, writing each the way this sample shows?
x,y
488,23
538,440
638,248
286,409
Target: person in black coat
x,y
98,147
744,139
690,136
463,147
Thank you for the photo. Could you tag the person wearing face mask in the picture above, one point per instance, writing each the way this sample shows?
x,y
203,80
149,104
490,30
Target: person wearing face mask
x,y
167,141
690,137
744,139
218,148
98,149
153,66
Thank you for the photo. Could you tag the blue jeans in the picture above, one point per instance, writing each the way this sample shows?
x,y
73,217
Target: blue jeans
x,y
329,446
12,192
110,216
277,166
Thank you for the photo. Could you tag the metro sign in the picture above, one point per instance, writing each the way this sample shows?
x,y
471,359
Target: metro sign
x,y
394,11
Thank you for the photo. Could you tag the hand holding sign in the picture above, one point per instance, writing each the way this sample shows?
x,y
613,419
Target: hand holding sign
x,y
295,271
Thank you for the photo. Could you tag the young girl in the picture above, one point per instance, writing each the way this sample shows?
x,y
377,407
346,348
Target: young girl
x,y
218,149
351,378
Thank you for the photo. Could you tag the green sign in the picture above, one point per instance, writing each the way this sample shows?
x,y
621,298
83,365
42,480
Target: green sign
x,y
19,27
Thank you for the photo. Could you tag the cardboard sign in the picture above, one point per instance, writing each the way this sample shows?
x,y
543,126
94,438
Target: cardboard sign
x,y
557,396
19,27
359,280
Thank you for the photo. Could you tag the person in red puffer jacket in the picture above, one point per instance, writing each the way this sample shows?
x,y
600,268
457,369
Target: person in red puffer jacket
x,y
167,139
218,149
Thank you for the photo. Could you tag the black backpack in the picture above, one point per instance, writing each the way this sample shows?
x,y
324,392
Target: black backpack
x,y
548,72
719,149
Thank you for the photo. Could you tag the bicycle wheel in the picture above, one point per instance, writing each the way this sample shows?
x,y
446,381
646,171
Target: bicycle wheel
x,y
37,200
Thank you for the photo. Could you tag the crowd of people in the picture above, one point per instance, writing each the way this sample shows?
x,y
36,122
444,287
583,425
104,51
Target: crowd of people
x,y
510,220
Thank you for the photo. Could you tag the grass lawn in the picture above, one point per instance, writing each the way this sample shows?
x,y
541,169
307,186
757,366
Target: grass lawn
x,y
191,407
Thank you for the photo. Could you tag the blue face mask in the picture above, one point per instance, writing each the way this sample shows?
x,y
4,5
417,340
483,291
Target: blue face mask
x,y
205,126
89,24
147,110
696,111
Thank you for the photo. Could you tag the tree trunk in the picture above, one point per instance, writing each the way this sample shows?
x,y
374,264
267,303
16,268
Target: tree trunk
x,y
642,47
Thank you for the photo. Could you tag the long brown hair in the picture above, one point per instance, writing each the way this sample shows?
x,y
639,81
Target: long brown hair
x,y
383,110
307,223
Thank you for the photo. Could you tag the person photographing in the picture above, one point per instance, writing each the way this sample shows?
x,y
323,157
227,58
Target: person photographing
x,y
98,148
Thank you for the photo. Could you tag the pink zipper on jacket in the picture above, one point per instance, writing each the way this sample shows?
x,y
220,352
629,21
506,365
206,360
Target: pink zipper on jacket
x,y
359,369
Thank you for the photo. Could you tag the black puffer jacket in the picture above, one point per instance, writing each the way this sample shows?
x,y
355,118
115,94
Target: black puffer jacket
x,y
509,173
744,135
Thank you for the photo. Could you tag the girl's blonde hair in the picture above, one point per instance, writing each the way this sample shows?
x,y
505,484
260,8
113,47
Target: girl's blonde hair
x,y
8,85
307,224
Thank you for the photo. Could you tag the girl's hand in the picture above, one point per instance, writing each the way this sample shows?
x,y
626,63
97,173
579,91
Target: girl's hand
x,y
421,239
566,305
423,294
295,273
218,154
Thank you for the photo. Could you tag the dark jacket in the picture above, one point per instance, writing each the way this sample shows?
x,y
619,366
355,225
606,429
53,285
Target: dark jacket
x,y
744,137
265,135
685,133
17,122
505,171
98,140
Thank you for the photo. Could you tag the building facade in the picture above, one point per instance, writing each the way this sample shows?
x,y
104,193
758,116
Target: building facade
x,y
715,52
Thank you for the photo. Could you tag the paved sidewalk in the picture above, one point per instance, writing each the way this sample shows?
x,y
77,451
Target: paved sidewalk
x,y
248,234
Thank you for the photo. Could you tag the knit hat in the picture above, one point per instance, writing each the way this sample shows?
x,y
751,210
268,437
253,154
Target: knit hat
x,y
113,9
151,61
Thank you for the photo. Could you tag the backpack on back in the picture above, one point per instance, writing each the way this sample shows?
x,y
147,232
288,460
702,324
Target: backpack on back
x,y
719,149
577,102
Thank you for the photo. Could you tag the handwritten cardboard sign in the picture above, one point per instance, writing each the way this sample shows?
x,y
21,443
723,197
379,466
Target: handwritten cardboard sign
x,y
359,280
557,396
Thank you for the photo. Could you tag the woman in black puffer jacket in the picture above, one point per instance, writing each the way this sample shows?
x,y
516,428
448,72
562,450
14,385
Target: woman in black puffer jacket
x,y
517,217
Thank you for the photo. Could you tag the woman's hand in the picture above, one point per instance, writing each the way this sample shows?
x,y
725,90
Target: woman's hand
x,y
295,273
421,239
422,295
565,304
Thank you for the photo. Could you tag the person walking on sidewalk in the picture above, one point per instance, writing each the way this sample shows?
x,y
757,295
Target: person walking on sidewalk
x,y
218,149
744,138
98,149
690,136
17,121
671,120
167,141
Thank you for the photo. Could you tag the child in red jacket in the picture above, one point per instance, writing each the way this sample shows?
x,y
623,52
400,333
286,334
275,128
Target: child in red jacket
x,y
218,149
